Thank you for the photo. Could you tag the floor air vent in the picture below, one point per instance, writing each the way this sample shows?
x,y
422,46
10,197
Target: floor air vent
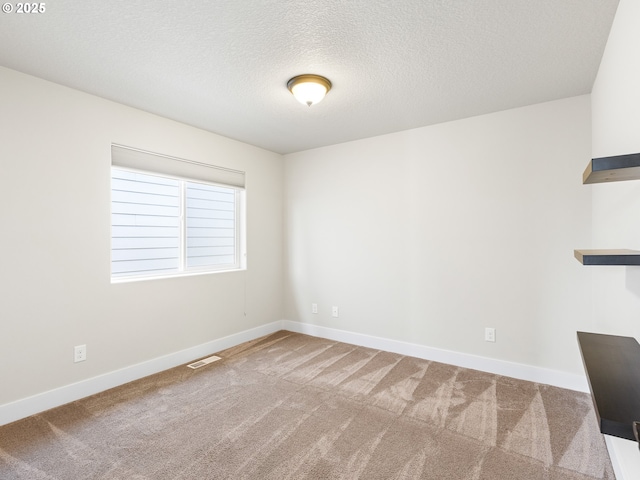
x,y
203,362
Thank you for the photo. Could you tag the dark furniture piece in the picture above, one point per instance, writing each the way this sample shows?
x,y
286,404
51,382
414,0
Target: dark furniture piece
x,y
612,364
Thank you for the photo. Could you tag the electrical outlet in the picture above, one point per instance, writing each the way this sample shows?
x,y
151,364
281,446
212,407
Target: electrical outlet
x,y
314,308
79,353
489,334
334,311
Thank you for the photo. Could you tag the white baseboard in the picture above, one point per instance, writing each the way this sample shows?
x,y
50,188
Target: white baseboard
x,y
490,365
624,457
25,407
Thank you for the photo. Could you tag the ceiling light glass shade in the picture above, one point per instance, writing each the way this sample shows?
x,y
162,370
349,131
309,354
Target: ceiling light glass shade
x,y
309,89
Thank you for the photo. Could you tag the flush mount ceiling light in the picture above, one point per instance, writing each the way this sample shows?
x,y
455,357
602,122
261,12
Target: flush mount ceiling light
x,y
309,89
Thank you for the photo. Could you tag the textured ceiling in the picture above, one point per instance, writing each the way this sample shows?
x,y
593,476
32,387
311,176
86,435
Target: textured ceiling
x,y
223,65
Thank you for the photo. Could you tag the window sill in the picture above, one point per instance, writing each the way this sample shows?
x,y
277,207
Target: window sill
x,y
117,280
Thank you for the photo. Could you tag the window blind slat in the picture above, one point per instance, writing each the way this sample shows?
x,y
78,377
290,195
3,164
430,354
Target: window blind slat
x,y
144,231
144,187
144,254
139,209
144,266
144,198
205,261
197,203
197,222
207,213
119,219
136,243
210,242
208,251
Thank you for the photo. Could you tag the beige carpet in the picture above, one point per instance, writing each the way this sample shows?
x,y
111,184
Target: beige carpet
x,y
290,406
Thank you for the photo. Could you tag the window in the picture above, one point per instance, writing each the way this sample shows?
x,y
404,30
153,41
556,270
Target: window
x,y
165,225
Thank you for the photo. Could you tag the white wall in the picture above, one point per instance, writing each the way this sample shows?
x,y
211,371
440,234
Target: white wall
x,y
616,206
429,235
55,243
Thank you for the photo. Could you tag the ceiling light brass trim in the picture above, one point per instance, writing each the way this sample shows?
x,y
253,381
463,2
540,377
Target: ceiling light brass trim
x,y
308,77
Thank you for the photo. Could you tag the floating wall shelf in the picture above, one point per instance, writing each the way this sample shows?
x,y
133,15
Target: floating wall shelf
x,y
613,169
612,366
608,257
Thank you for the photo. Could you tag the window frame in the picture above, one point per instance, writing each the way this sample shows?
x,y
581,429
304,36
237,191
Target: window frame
x,y
183,270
